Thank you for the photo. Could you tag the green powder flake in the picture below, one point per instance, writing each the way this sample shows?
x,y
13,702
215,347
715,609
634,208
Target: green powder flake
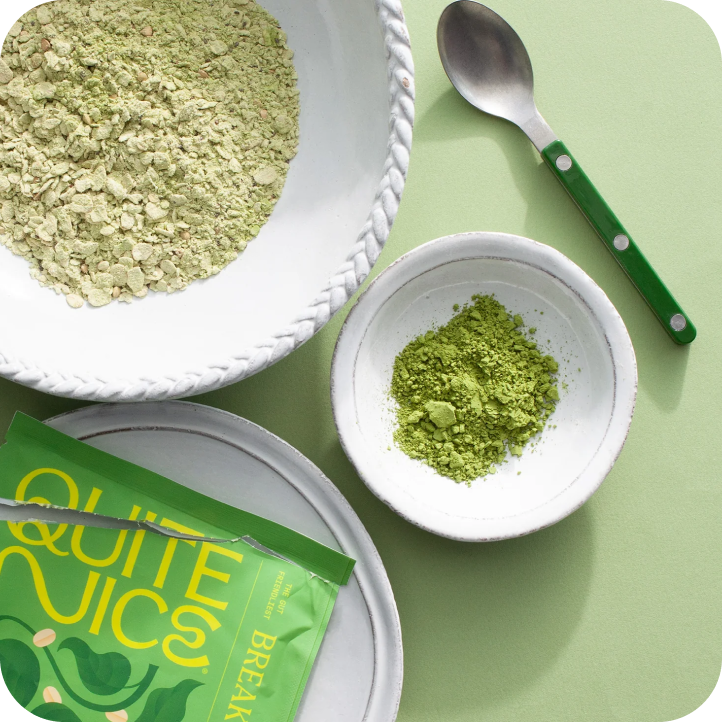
x,y
143,143
441,413
471,391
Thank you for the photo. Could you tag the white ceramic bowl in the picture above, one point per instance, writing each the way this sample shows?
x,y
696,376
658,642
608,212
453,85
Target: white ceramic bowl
x,y
327,230
579,326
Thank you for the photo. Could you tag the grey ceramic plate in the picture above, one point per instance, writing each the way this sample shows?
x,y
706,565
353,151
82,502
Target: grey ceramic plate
x,y
358,673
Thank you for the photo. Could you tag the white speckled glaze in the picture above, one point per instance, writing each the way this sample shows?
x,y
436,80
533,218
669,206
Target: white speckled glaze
x,y
579,326
341,197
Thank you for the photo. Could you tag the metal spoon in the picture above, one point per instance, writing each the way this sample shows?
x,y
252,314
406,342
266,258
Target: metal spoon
x,y
488,64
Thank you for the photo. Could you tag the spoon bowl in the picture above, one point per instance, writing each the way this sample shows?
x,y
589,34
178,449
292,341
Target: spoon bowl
x,y
486,61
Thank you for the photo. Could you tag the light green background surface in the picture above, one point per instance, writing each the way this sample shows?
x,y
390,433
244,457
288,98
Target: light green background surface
x,y
615,612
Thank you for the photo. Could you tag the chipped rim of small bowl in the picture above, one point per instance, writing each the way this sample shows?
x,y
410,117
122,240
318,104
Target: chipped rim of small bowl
x,y
441,252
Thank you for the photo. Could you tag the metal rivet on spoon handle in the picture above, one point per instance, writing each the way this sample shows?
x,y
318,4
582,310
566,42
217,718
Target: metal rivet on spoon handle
x,y
488,64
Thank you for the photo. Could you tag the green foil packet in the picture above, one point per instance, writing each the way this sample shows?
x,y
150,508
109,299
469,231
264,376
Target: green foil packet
x,y
138,627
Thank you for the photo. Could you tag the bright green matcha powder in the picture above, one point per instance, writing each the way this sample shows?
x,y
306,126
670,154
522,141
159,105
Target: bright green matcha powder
x,y
472,390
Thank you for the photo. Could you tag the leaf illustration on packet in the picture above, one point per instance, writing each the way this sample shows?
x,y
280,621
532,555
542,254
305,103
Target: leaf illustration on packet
x,y
102,674
56,712
168,705
145,600
20,670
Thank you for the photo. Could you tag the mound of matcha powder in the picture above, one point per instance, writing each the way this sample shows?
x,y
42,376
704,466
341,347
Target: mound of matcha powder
x,y
143,143
471,390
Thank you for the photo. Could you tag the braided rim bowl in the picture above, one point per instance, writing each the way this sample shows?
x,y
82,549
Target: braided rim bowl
x,y
356,80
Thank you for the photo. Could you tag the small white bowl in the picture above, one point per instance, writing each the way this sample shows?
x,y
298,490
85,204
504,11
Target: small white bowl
x,y
576,323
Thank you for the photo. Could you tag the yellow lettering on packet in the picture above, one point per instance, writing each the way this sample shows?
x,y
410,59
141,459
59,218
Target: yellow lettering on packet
x,y
264,639
238,713
197,643
243,694
81,602
202,570
79,530
251,675
47,540
73,493
135,547
271,605
105,596
170,549
42,592
259,640
117,618
255,659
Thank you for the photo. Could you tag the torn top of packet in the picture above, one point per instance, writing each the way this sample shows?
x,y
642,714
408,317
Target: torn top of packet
x,y
28,511
187,623
25,433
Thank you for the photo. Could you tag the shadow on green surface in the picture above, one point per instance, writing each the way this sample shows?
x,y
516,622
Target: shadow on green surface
x,y
661,363
452,118
503,612
14,397
662,370
290,399
499,613
449,116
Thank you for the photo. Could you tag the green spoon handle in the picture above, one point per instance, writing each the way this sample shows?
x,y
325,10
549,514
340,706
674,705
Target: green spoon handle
x,y
570,174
